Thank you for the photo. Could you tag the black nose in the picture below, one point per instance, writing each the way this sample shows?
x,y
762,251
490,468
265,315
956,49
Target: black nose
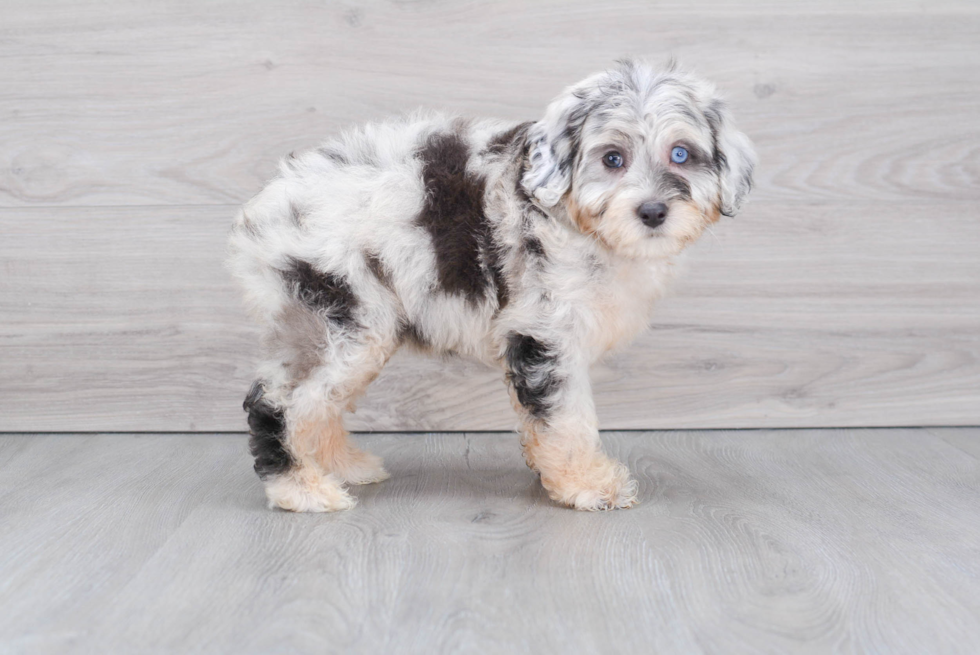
x,y
652,213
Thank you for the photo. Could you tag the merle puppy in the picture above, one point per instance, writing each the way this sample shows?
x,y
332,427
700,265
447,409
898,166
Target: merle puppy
x,y
534,248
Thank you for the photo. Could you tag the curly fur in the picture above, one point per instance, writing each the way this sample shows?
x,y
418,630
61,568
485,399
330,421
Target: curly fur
x,y
512,244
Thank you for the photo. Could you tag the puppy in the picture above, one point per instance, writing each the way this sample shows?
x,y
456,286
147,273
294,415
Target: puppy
x,y
534,248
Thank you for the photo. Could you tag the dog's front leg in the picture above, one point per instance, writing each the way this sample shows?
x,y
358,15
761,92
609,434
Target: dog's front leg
x,y
559,433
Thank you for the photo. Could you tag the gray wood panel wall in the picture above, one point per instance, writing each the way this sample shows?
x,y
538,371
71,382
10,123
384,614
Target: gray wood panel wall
x,y
848,292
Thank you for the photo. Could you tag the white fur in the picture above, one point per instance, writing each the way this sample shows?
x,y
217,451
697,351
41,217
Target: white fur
x,y
364,195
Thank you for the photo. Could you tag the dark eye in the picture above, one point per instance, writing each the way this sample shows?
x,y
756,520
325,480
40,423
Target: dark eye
x,y
612,159
678,155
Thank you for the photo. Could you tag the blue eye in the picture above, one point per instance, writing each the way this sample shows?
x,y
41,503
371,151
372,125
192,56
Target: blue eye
x,y
612,159
678,155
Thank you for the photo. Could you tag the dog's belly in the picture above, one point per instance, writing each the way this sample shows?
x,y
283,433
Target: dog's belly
x,y
451,324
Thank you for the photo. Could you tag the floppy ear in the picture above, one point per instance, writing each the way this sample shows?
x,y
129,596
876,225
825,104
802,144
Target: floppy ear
x,y
734,160
554,141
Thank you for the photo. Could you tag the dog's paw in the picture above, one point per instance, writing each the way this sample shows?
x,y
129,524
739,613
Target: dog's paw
x,y
603,485
621,496
361,468
308,493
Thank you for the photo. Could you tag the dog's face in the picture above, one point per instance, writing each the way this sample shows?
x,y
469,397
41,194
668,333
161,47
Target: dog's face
x,y
642,160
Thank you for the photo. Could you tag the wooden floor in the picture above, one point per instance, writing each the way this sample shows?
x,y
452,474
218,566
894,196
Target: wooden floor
x,y
749,541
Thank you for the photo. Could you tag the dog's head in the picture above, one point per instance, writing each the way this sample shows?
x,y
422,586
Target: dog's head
x,y
643,160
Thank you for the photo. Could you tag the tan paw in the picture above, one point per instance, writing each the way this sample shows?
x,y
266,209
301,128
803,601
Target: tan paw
x,y
308,492
603,484
616,497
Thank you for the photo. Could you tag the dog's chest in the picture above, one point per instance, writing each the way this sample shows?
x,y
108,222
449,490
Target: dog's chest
x,y
623,301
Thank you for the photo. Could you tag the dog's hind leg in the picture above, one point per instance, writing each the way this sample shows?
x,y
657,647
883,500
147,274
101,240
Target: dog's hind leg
x,y
318,407
302,451
279,443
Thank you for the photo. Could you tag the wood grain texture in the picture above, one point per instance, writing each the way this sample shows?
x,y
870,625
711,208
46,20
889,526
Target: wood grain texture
x,y
847,294
844,541
122,319
193,103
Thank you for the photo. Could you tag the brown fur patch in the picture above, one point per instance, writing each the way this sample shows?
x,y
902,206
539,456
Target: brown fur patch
x,y
322,291
501,142
467,257
531,371
714,214
409,333
584,219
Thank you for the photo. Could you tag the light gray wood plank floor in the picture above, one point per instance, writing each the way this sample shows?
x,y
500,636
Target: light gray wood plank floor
x,y
745,541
